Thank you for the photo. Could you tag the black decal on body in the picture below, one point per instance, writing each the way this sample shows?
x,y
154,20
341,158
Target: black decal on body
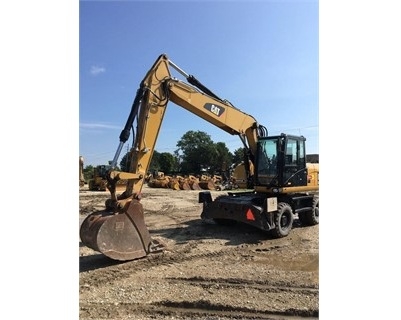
x,y
215,109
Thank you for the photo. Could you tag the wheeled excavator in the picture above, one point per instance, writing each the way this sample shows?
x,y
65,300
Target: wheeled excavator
x,y
284,185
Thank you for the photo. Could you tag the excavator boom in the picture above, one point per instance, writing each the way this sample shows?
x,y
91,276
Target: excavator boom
x,y
119,231
155,91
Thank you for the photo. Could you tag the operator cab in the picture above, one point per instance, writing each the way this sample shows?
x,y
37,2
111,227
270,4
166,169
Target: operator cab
x,y
281,161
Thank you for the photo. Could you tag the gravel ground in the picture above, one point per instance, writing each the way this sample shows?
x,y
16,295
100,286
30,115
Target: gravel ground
x,y
207,271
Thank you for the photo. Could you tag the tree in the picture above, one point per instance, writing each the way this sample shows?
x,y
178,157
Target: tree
x,y
154,164
196,151
124,163
88,172
168,163
223,159
165,162
238,155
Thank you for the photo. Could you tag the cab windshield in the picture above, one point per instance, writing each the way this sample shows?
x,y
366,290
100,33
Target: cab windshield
x,y
266,168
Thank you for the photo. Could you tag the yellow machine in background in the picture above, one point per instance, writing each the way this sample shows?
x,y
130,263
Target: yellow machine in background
x,y
99,179
283,184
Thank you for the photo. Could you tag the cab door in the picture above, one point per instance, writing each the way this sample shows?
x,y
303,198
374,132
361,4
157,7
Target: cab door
x,y
294,169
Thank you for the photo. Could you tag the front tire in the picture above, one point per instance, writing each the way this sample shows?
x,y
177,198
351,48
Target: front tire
x,y
283,220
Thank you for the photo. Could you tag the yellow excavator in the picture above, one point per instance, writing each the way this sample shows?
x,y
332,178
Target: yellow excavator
x,y
283,183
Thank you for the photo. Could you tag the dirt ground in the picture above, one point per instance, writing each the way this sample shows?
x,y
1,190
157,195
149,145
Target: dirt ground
x,y
207,271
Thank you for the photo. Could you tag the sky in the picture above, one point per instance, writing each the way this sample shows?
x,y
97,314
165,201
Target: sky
x,y
262,56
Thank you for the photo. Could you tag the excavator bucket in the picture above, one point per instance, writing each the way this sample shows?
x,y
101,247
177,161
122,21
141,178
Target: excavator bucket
x,y
119,236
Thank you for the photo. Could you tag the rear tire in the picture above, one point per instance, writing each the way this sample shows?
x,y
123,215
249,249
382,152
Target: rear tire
x,y
283,220
310,218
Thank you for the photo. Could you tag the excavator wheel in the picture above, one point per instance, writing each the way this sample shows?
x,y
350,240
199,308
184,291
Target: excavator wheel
x,y
283,220
121,236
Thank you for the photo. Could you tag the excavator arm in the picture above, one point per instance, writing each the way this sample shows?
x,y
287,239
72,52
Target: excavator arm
x,y
119,231
155,91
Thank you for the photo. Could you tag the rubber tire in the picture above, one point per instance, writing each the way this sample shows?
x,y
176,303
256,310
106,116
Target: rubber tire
x,y
310,218
284,212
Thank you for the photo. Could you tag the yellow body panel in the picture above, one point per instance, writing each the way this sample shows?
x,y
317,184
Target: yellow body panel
x,y
313,174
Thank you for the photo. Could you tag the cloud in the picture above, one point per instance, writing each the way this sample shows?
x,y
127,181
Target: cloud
x,y
95,126
95,70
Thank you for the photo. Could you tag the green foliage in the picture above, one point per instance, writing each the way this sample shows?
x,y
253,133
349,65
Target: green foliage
x,y
223,159
165,162
88,172
198,153
124,165
155,162
168,163
197,150
238,155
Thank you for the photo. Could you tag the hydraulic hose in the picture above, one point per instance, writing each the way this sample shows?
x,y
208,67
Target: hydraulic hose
x,y
125,133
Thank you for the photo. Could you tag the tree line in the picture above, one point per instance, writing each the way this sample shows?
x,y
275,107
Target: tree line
x,y
196,153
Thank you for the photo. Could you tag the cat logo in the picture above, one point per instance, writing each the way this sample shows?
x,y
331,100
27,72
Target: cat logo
x,y
217,110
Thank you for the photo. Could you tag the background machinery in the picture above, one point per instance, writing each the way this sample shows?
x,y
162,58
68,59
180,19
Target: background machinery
x,y
283,183
99,179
